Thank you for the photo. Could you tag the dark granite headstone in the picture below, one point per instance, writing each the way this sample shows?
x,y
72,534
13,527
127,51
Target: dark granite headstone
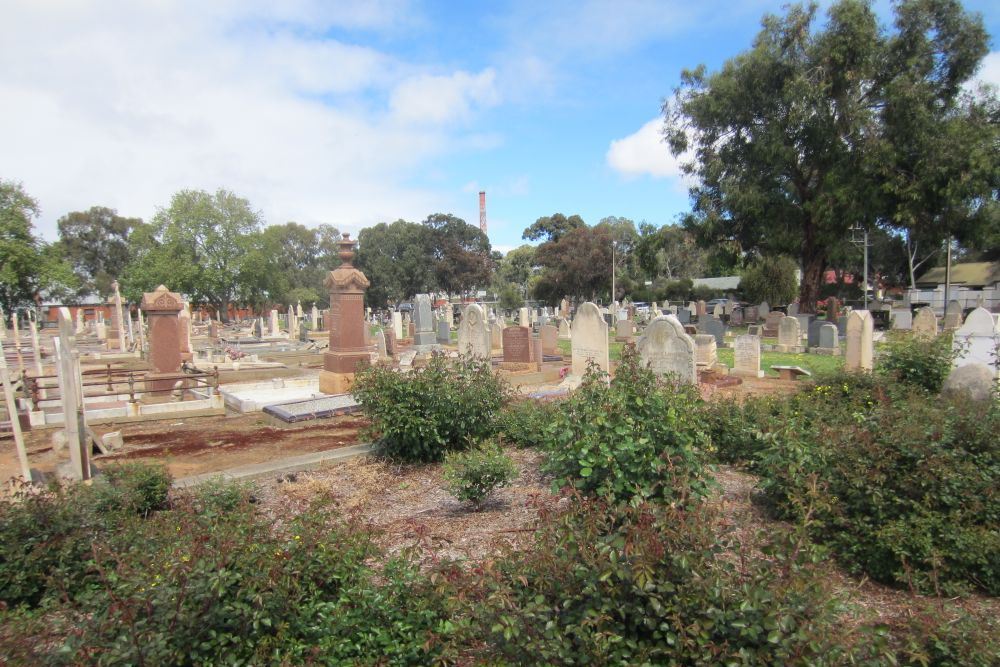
x,y
517,344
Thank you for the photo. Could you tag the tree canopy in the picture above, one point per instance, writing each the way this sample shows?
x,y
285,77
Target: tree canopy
x,y
552,227
817,129
95,242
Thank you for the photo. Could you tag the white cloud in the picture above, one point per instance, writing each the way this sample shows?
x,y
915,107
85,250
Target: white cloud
x,y
643,153
123,105
989,71
440,99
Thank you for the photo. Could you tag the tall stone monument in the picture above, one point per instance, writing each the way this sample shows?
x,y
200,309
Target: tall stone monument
x,y
347,323
116,338
423,329
860,341
163,309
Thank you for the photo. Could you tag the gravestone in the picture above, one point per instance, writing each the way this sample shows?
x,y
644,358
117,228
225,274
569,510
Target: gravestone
x,y
525,318
842,325
449,315
751,314
80,324
564,309
953,315
789,335
496,334
976,341
902,319
793,309
116,337
755,330
805,319
683,315
71,392
258,327
706,351
391,344
736,317
702,309
590,339
772,322
746,355
717,311
564,330
729,307
860,343
717,328
517,345
184,328
347,349
293,323
397,324
274,328
829,341
473,336
423,323
972,381
668,350
812,333
314,316
624,331
549,336
380,346
163,308
925,324
443,333
763,309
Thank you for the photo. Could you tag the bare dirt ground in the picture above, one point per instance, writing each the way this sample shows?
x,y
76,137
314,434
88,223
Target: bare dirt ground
x,y
410,508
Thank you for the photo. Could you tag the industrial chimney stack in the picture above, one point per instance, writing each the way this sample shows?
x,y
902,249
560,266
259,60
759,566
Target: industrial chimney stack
x,y
482,212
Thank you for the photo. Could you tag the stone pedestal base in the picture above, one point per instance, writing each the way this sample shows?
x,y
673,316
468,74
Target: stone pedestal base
x,y
741,373
335,383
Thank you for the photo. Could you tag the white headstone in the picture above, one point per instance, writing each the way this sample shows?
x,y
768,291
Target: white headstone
x,y
860,341
789,334
590,339
474,338
525,318
274,327
925,324
746,354
668,350
977,340
397,325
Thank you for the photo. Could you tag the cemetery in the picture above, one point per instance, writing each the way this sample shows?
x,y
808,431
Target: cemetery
x,y
765,433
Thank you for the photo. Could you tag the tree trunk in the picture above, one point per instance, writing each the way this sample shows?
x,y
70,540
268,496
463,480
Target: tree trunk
x,y
812,281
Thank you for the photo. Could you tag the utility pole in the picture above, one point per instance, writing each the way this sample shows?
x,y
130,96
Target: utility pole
x,y
862,241
612,304
947,274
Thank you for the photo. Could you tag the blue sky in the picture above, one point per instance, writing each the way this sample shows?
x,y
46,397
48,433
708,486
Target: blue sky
x,y
356,112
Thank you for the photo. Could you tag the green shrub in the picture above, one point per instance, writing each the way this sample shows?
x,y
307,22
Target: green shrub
x,y
219,496
472,476
430,411
736,428
901,484
136,488
914,361
184,587
633,437
650,584
523,423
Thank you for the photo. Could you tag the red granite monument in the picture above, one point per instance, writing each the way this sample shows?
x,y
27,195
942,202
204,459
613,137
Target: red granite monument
x,y
163,308
347,324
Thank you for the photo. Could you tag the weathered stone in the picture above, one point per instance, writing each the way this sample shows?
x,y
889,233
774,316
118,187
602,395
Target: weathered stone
x,y
163,308
793,309
925,324
746,354
549,336
564,330
812,333
443,333
397,324
473,336
972,381
706,350
423,323
902,319
624,331
789,335
683,315
715,327
860,343
496,334
590,339
953,315
668,350
525,318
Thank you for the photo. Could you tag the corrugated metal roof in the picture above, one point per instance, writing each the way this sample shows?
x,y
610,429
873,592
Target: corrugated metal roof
x,y
723,282
970,274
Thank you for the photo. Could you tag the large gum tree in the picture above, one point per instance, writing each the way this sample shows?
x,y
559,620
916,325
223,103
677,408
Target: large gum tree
x,y
818,128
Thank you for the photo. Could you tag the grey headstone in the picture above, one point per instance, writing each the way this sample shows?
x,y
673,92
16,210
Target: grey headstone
x,y
683,315
716,328
827,335
812,334
423,324
443,332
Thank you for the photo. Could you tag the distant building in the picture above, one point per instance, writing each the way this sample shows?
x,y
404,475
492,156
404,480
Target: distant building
x,y
970,282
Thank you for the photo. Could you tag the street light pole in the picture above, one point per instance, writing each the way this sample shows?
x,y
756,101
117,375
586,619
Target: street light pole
x,y
863,242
